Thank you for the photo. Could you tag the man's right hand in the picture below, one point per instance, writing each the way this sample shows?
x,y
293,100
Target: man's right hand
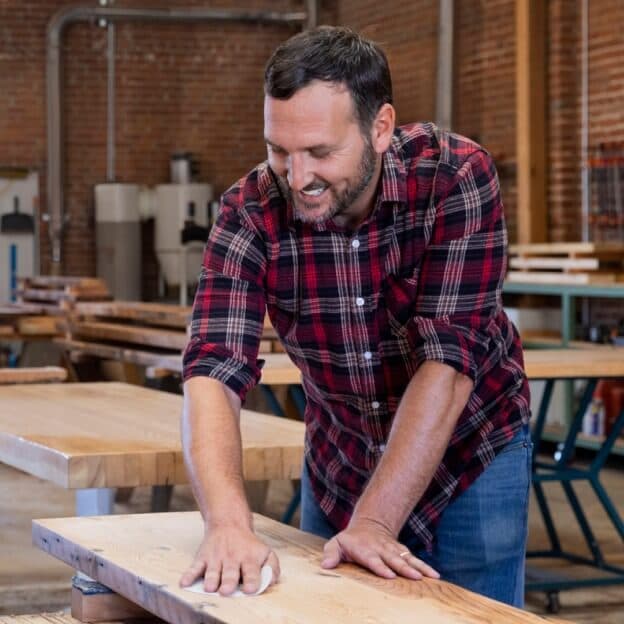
x,y
229,555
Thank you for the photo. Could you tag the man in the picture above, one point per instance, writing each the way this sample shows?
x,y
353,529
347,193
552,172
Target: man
x,y
379,254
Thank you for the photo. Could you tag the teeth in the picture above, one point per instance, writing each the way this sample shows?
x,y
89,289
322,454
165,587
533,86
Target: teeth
x,y
315,192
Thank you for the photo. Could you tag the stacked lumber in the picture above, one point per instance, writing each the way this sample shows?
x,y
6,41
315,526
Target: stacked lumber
x,y
152,327
26,321
567,263
57,294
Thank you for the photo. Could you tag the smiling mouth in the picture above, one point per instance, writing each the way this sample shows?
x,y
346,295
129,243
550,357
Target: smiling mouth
x,y
314,192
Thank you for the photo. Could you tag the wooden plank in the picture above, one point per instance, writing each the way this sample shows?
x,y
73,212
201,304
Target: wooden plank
x,y
542,249
544,277
110,434
166,361
165,315
531,120
61,281
38,325
563,264
279,369
574,363
19,309
7,331
32,375
54,618
142,557
153,337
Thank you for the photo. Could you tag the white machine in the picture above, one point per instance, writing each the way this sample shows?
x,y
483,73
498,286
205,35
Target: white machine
x,y
118,239
181,208
19,233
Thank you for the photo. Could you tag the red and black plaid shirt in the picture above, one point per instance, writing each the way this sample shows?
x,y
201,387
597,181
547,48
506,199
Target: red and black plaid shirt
x,y
358,312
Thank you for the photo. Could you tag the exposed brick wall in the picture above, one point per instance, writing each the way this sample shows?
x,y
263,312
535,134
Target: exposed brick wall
x,y
178,86
198,88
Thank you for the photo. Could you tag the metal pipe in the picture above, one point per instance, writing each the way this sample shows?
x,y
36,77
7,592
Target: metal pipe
x,y
110,106
444,87
312,21
585,118
55,30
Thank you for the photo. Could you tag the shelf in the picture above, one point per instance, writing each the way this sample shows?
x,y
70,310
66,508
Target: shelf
x,y
555,433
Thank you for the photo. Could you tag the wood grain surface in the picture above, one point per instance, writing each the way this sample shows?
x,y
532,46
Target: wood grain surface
x,y
142,557
32,375
109,434
574,363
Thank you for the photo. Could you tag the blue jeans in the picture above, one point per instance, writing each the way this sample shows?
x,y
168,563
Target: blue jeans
x,y
480,542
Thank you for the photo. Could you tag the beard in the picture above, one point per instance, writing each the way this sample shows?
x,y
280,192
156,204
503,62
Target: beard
x,y
340,201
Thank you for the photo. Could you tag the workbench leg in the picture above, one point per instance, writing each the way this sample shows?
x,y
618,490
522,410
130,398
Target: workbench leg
x,y
161,498
581,518
95,502
555,544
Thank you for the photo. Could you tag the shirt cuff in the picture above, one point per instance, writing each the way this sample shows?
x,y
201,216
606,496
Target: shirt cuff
x,y
439,340
209,360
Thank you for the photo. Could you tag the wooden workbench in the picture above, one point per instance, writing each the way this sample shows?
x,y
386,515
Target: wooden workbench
x,y
142,557
109,434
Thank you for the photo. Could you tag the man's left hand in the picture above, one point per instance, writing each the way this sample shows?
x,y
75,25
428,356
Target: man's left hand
x,y
371,545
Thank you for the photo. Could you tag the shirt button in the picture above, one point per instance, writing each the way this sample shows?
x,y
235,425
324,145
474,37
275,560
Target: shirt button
x,y
359,301
355,243
367,355
375,404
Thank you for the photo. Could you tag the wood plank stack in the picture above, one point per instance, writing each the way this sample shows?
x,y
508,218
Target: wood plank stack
x,y
57,294
26,321
146,334
567,263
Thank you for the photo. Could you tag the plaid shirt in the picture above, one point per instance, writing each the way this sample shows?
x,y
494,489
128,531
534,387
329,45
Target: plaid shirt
x,y
358,312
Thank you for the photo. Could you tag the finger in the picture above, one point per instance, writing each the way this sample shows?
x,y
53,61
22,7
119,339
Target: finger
x,y
332,554
230,577
273,561
413,562
424,568
192,573
212,577
402,566
376,564
250,576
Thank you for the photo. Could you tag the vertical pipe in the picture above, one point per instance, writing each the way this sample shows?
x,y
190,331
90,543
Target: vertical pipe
x,y
444,89
585,118
312,14
110,107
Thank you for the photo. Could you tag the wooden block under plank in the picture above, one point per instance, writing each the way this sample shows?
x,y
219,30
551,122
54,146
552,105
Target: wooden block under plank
x,y
94,602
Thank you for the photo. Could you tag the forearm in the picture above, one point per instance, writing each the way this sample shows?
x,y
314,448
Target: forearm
x,y
211,443
420,434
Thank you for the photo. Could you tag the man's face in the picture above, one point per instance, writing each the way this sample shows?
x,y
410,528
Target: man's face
x,y
324,164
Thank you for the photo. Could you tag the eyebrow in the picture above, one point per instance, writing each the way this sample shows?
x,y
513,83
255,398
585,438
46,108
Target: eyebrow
x,y
320,146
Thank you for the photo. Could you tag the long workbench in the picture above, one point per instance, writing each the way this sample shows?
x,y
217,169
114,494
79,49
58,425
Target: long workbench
x,y
96,436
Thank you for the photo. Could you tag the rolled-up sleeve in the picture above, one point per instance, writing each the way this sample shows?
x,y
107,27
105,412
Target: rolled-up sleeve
x,y
229,306
462,271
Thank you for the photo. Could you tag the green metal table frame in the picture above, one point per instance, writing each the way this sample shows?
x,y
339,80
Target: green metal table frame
x,y
563,471
568,293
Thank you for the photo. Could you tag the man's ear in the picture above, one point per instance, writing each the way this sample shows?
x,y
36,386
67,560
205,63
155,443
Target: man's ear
x,y
383,128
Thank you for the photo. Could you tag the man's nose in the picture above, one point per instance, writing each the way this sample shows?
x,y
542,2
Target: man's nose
x,y
299,174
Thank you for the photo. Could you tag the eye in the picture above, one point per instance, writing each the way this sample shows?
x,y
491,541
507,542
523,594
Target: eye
x,y
278,151
319,154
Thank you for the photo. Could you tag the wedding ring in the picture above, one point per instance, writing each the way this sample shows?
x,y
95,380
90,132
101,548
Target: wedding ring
x,y
405,553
